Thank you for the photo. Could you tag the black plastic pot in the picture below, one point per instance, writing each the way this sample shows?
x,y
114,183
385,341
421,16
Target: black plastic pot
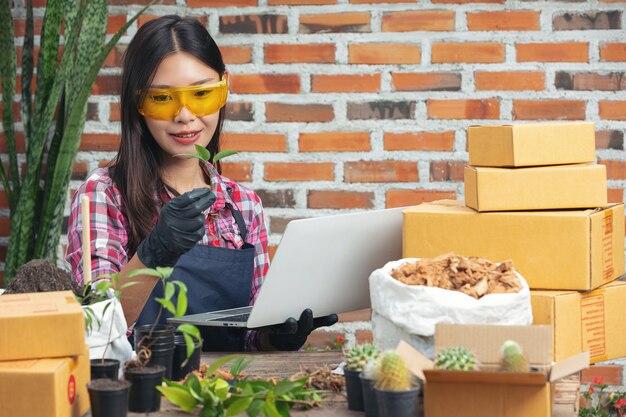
x,y
143,396
397,403
354,390
160,343
369,398
180,354
108,398
104,369
164,357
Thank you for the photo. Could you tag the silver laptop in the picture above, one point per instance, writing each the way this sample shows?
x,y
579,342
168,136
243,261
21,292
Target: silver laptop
x,y
321,263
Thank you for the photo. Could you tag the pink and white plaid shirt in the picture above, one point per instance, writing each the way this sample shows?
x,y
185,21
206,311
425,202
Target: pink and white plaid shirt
x,y
109,225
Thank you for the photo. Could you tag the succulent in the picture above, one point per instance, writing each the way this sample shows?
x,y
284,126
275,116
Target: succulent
x,y
392,374
513,359
456,358
358,356
370,371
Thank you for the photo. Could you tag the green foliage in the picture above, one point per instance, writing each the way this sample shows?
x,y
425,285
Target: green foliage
x,y
392,375
599,402
215,397
513,359
456,358
360,355
204,155
53,117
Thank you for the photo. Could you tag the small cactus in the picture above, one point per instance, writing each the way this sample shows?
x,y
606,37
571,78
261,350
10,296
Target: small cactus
x,y
370,371
393,374
456,358
513,359
358,356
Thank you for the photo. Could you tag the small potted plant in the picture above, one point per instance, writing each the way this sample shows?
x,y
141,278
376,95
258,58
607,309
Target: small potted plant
x,y
368,381
356,359
396,392
155,344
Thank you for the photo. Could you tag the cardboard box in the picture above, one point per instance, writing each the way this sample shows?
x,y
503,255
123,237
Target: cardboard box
x,y
490,392
41,325
592,321
531,144
573,250
537,188
54,387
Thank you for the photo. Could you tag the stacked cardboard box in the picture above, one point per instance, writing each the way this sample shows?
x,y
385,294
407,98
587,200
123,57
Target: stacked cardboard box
x,y
534,195
44,362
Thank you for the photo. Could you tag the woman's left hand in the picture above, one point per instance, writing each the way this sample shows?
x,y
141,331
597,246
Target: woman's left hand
x,y
292,334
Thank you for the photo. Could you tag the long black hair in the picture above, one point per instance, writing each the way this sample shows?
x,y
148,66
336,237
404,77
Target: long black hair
x,y
135,169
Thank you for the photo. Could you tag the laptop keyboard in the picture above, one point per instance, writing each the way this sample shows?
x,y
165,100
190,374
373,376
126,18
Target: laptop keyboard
x,y
238,317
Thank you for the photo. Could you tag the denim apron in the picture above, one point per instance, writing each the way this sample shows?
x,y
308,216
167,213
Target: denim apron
x,y
216,278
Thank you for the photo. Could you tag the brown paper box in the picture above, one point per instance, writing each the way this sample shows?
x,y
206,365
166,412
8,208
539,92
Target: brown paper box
x,y
55,387
592,321
537,188
489,393
531,144
41,325
573,250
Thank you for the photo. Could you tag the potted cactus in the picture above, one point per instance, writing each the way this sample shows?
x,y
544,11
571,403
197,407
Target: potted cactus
x,y
368,380
356,359
456,358
396,392
513,358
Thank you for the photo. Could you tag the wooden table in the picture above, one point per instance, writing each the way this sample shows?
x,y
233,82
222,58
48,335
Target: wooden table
x,y
280,364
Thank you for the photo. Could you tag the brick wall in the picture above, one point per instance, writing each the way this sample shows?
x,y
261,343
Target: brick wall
x,y
341,105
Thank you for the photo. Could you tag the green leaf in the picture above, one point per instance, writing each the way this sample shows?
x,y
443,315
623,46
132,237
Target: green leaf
x,y
269,408
181,302
203,152
219,363
167,304
286,386
255,408
169,290
221,388
128,284
239,365
223,154
238,406
180,397
191,330
164,271
144,271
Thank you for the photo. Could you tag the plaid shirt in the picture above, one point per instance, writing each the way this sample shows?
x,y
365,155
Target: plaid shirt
x,y
109,225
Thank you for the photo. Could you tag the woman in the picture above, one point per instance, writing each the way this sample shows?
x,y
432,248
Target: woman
x,y
151,208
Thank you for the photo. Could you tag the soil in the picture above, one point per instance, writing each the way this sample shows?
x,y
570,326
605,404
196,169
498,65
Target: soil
x,y
41,275
107,385
473,276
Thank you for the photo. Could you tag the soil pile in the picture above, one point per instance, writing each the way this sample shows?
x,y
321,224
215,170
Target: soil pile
x,y
41,275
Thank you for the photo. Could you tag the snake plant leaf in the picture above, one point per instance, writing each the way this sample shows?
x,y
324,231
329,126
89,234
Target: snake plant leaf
x,y
27,69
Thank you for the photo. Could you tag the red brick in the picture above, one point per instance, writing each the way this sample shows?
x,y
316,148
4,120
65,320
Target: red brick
x,y
334,142
299,171
116,22
17,115
19,27
364,336
419,20
612,374
19,50
357,315
419,141
80,170
403,198
320,339
20,144
613,52
335,22
264,83
510,80
615,170
291,53
348,83
5,226
615,195
115,57
381,1
253,23
4,201
114,112
320,199
429,81
464,109
282,112
553,52
238,171
548,109
236,54
380,171
107,85
255,142
612,110
384,53
446,171
479,52
104,163
503,20
610,139
3,253
221,3
299,2
100,142
467,1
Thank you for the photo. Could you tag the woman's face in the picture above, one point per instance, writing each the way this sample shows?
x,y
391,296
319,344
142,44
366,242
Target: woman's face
x,y
183,131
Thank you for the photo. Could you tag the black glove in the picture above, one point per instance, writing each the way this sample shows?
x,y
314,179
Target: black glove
x,y
179,227
292,334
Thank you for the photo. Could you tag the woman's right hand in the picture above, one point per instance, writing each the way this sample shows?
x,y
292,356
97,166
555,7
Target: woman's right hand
x,y
179,227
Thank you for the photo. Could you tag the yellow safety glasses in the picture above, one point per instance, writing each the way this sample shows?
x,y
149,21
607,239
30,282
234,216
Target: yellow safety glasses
x,y
201,100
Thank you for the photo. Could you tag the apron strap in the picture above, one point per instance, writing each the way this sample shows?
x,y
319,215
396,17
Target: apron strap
x,y
239,220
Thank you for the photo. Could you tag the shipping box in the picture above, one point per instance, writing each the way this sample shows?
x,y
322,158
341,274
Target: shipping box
x,y
536,188
572,250
41,325
55,387
592,321
531,144
490,392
